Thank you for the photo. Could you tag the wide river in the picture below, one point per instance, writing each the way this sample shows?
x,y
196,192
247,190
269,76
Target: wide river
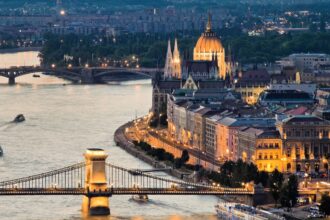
x,y
61,122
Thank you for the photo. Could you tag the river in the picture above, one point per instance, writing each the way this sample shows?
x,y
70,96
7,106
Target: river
x,y
61,122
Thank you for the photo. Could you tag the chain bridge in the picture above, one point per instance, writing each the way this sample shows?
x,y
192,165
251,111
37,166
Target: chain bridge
x,y
84,75
96,180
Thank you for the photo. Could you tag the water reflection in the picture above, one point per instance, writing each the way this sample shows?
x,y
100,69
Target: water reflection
x,y
61,122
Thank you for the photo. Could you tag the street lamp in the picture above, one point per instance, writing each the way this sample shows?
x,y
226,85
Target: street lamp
x,y
62,12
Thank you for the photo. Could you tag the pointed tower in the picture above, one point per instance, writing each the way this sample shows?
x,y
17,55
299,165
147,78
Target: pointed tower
x,y
168,70
176,61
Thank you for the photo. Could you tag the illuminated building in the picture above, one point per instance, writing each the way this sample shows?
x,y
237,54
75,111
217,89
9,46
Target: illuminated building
x,y
209,47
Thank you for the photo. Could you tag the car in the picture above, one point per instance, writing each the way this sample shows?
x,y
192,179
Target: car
x,y
323,175
301,174
313,175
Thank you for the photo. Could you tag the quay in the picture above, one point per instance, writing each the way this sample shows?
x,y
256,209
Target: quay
x,y
157,140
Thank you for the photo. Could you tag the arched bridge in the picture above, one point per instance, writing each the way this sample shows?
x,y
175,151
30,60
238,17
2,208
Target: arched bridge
x,y
96,180
78,74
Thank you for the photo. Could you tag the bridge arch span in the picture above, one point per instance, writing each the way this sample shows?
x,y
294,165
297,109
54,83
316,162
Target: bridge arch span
x,y
114,71
67,74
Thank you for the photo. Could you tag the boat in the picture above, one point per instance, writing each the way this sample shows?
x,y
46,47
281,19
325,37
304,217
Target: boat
x,y
1,152
19,118
237,211
140,198
36,75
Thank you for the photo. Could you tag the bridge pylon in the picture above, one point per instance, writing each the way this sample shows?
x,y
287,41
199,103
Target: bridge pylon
x,y
95,182
11,79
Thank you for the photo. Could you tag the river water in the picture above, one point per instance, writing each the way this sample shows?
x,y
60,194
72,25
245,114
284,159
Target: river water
x,y
61,122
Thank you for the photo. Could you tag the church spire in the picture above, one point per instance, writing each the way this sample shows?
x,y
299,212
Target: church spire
x,y
176,60
168,62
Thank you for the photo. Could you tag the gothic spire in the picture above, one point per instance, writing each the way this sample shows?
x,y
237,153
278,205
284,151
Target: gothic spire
x,y
168,62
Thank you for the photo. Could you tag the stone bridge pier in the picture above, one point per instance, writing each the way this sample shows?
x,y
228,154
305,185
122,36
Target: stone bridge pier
x,y
95,181
11,79
87,76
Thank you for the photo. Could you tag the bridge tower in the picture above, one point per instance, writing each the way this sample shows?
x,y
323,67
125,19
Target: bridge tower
x,y
95,182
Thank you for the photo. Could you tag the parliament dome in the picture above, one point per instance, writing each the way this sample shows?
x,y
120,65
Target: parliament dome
x,y
209,47
208,42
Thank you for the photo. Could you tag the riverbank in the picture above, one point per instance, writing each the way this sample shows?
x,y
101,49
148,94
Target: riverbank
x,y
20,49
125,143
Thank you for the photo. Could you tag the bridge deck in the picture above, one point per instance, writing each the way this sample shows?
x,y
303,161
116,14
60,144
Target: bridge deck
x,y
119,191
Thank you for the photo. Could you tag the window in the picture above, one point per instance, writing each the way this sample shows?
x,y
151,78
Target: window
x,y
316,152
288,167
288,152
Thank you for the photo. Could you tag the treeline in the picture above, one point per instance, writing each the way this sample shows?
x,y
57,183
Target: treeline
x,y
162,155
273,46
151,48
234,174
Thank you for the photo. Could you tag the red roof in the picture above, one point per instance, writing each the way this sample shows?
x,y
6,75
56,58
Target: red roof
x,y
297,111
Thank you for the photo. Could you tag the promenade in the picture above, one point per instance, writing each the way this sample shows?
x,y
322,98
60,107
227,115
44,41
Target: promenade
x,y
158,138
122,140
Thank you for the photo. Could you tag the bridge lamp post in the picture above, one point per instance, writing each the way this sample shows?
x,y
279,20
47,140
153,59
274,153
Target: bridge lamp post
x,y
70,66
53,65
86,65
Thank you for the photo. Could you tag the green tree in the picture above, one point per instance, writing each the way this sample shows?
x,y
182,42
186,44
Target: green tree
x,y
325,204
275,184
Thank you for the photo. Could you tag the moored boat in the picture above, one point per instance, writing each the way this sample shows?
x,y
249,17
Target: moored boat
x,y
236,211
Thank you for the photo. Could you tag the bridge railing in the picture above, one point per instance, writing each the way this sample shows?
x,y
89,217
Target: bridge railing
x,y
67,177
123,178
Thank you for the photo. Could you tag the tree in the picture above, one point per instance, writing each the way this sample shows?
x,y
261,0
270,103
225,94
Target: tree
x,y
177,163
275,183
289,192
325,204
184,156
262,178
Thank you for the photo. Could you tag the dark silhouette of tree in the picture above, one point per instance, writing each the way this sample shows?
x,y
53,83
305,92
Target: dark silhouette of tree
x,y
275,184
325,204
289,192
184,156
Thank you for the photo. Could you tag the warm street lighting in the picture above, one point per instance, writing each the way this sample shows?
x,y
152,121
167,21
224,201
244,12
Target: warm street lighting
x,y
53,65
62,12
86,65
70,66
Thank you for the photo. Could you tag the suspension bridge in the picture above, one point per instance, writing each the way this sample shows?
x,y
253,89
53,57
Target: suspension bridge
x,y
97,180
